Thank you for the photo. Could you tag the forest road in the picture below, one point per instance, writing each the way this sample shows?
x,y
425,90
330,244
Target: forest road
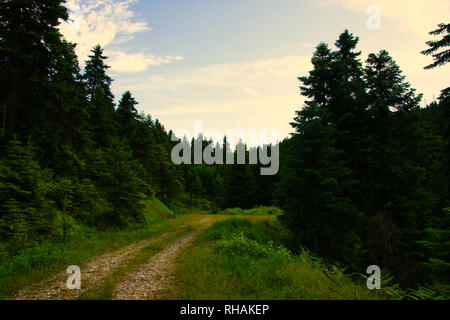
x,y
150,280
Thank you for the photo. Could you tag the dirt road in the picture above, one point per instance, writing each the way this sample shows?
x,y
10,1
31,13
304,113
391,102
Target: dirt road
x,y
149,280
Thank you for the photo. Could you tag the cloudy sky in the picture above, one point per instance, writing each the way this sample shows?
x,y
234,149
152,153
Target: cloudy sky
x,y
233,64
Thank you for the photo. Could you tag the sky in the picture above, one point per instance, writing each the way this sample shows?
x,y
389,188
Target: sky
x,y
233,64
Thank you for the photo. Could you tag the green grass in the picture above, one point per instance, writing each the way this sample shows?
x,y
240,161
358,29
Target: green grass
x,y
245,259
155,210
33,264
261,210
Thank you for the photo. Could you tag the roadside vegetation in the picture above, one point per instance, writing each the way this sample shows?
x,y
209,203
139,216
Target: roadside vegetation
x,y
259,210
35,263
247,258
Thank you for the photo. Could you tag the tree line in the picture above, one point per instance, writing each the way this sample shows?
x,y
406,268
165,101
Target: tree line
x,y
365,177
69,155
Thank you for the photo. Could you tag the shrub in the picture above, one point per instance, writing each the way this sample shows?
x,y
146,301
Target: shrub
x,y
239,244
260,210
233,211
26,211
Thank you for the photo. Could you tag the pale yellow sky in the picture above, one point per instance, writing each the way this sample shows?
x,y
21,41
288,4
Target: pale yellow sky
x,y
234,64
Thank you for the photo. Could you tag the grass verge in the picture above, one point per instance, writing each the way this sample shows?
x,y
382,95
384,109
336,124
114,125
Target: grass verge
x,y
245,259
30,265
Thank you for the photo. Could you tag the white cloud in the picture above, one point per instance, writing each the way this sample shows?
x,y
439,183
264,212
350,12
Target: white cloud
x,y
249,77
100,22
109,23
136,62
247,91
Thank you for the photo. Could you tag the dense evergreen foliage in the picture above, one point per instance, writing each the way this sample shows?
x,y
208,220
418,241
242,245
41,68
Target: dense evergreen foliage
x,y
70,156
364,179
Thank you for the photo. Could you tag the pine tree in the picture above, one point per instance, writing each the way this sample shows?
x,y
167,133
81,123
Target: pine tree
x,y
320,81
349,110
127,115
39,94
97,84
442,57
437,235
437,242
70,120
392,103
336,83
443,117
126,109
239,182
26,212
319,175
402,149
359,151
313,184
386,85
119,179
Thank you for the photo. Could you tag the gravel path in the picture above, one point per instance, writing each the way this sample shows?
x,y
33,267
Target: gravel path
x,y
91,273
153,280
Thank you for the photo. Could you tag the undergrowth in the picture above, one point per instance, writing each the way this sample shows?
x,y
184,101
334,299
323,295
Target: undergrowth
x,y
244,259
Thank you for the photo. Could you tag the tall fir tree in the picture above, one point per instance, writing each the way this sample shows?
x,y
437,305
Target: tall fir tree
x,y
101,99
442,57
39,94
437,232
